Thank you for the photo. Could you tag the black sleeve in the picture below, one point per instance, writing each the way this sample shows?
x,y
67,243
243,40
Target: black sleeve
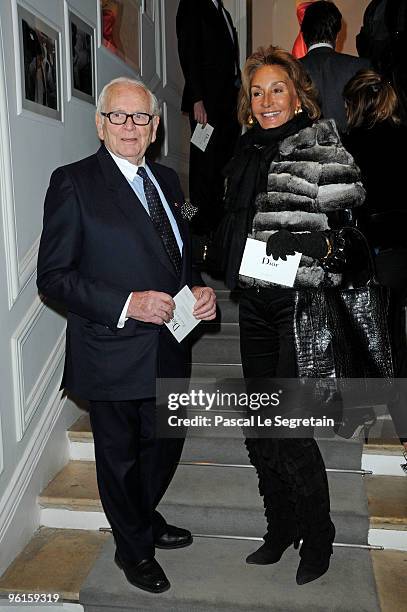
x,y
190,47
58,271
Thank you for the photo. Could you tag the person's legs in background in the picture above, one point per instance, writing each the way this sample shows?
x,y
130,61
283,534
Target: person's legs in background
x,y
206,179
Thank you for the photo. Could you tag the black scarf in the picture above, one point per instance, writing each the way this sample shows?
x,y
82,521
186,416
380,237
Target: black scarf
x,y
247,174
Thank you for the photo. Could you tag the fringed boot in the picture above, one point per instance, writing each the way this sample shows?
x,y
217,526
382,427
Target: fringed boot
x,y
279,506
313,508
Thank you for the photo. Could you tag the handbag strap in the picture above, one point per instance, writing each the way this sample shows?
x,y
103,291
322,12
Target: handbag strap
x,y
361,238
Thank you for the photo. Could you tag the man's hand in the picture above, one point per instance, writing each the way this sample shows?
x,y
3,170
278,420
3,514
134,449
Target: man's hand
x,y
151,307
205,306
200,113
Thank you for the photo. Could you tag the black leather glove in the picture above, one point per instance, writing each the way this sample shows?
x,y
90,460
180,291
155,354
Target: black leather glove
x,y
283,243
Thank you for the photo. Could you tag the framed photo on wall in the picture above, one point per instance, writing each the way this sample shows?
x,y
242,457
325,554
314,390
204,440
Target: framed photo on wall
x,y
82,58
120,27
40,58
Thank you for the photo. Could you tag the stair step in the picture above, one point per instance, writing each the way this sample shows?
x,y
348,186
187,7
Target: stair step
x,y
54,561
205,446
228,308
226,445
387,500
216,370
213,500
58,561
218,328
389,568
225,501
215,348
212,575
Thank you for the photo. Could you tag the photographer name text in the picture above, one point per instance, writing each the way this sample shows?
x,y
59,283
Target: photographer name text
x,y
254,420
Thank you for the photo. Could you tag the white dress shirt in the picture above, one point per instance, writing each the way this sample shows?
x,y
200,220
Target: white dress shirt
x,y
136,183
316,45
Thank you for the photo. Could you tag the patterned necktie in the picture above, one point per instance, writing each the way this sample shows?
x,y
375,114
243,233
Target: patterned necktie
x,y
160,219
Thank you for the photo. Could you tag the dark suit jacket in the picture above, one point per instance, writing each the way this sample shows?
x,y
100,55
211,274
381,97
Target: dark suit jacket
x,y
330,71
208,57
98,244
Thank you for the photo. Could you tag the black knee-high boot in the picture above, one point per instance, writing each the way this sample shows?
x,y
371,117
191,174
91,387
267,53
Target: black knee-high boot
x,y
279,502
303,460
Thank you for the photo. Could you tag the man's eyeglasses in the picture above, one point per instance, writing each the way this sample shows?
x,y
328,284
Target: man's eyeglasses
x,y
121,118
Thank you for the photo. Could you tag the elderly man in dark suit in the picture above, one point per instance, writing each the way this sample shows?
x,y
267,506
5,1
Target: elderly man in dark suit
x,y
209,56
329,70
115,251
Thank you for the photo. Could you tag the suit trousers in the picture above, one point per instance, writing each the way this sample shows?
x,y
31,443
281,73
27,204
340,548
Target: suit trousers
x,y
206,179
134,469
291,471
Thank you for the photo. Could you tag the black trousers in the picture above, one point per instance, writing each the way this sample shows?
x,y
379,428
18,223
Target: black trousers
x,y
292,475
134,469
206,180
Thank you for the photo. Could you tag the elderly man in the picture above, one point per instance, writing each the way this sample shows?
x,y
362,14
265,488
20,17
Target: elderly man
x,y
115,251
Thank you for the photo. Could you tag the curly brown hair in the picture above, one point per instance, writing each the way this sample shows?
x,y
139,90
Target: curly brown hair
x,y
370,98
270,56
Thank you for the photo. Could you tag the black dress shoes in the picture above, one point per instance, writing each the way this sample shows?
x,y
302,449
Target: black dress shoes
x,y
174,537
147,575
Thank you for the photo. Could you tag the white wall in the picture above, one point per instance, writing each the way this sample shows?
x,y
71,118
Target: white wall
x,y
33,417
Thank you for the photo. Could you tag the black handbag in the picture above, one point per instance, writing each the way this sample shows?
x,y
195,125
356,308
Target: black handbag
x,y
357,317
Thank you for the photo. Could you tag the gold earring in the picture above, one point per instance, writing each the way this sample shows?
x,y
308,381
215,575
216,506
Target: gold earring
x,y
250,120
298,110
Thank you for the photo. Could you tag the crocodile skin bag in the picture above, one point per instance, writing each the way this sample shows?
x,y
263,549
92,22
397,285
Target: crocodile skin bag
x,y
358,320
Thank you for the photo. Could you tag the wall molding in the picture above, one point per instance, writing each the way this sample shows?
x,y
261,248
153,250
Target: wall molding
x,y
25,406
166,83
1,449
7,190
25,468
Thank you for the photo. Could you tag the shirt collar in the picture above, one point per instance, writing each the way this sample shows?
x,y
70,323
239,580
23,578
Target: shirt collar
x,y
317,45
129,170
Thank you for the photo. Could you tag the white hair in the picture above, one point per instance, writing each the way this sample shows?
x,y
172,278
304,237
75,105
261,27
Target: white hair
x,y
155,109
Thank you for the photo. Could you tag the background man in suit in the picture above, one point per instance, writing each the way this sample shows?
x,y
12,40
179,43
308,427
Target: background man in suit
x,y
114,250
209,57
329,70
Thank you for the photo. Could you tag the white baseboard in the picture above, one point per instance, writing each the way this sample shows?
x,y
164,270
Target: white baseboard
x,y
61,518
82,451
383,465
388,538
71,519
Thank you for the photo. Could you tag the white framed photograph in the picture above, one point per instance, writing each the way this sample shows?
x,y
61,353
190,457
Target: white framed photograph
x,y
40,65
81,58
120,29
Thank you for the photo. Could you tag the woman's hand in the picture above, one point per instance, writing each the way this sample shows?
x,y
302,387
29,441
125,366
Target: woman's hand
x,y
283,243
